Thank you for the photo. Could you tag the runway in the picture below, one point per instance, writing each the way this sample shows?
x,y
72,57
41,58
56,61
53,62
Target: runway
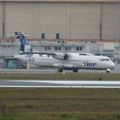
x,y
58,84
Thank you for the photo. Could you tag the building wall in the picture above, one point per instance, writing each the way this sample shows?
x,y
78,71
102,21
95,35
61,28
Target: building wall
x,y
1,20
110,21
73,20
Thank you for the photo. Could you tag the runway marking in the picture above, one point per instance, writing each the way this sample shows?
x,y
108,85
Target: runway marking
x,y
20,86
58,84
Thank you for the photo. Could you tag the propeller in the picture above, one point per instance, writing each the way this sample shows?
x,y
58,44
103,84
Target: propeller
x,y
66,56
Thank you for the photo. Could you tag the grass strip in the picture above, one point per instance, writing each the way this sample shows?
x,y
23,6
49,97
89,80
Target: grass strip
x,y
59,104
60,76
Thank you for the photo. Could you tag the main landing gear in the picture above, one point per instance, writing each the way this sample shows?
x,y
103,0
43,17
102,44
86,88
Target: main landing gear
x,y
60,69
73,69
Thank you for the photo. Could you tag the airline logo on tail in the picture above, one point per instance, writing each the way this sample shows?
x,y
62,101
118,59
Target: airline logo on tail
x,y
24,44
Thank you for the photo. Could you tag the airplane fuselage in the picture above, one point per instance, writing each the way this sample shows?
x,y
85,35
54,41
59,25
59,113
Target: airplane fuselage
x,y
75,60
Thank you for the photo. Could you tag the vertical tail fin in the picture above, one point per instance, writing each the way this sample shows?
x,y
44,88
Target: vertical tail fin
x,y
24,44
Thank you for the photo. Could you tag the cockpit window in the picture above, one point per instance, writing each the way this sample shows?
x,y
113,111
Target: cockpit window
x,y
104,59
107,59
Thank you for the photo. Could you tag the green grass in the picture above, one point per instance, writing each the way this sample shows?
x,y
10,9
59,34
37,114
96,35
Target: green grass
x,y
59,104
60,76
66,116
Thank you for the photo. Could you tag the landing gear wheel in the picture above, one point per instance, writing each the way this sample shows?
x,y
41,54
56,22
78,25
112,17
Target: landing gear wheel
x,y
75,70
108,71
60,69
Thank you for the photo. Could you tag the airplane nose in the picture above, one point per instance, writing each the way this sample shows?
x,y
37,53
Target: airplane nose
x,y
112,65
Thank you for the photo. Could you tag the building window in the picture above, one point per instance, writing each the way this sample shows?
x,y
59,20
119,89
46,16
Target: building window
x,y
57,36
47,48
68,48
57,48
79,48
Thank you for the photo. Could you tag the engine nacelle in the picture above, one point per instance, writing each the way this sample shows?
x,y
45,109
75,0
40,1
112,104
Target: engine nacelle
x,y
35,55
61,56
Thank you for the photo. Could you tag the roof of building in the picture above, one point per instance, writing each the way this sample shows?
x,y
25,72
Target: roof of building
x,y
59,0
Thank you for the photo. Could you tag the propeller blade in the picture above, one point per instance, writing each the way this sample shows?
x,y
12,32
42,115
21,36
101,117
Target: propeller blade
x,y
66,56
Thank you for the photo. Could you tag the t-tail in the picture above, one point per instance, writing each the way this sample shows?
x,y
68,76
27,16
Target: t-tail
x,y
24,44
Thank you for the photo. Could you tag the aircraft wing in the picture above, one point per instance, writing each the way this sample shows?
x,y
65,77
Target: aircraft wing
x,y
64,65
61,56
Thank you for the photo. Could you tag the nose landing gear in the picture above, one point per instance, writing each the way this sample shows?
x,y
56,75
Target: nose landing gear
x,y
108,70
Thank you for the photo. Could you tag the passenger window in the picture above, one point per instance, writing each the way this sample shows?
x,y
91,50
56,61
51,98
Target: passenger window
x,y
107,59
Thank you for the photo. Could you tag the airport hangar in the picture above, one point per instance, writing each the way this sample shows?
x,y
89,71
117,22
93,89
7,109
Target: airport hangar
x,y
91,21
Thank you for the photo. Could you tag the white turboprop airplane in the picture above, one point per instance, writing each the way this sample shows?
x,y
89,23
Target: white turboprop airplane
x,y
67,61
